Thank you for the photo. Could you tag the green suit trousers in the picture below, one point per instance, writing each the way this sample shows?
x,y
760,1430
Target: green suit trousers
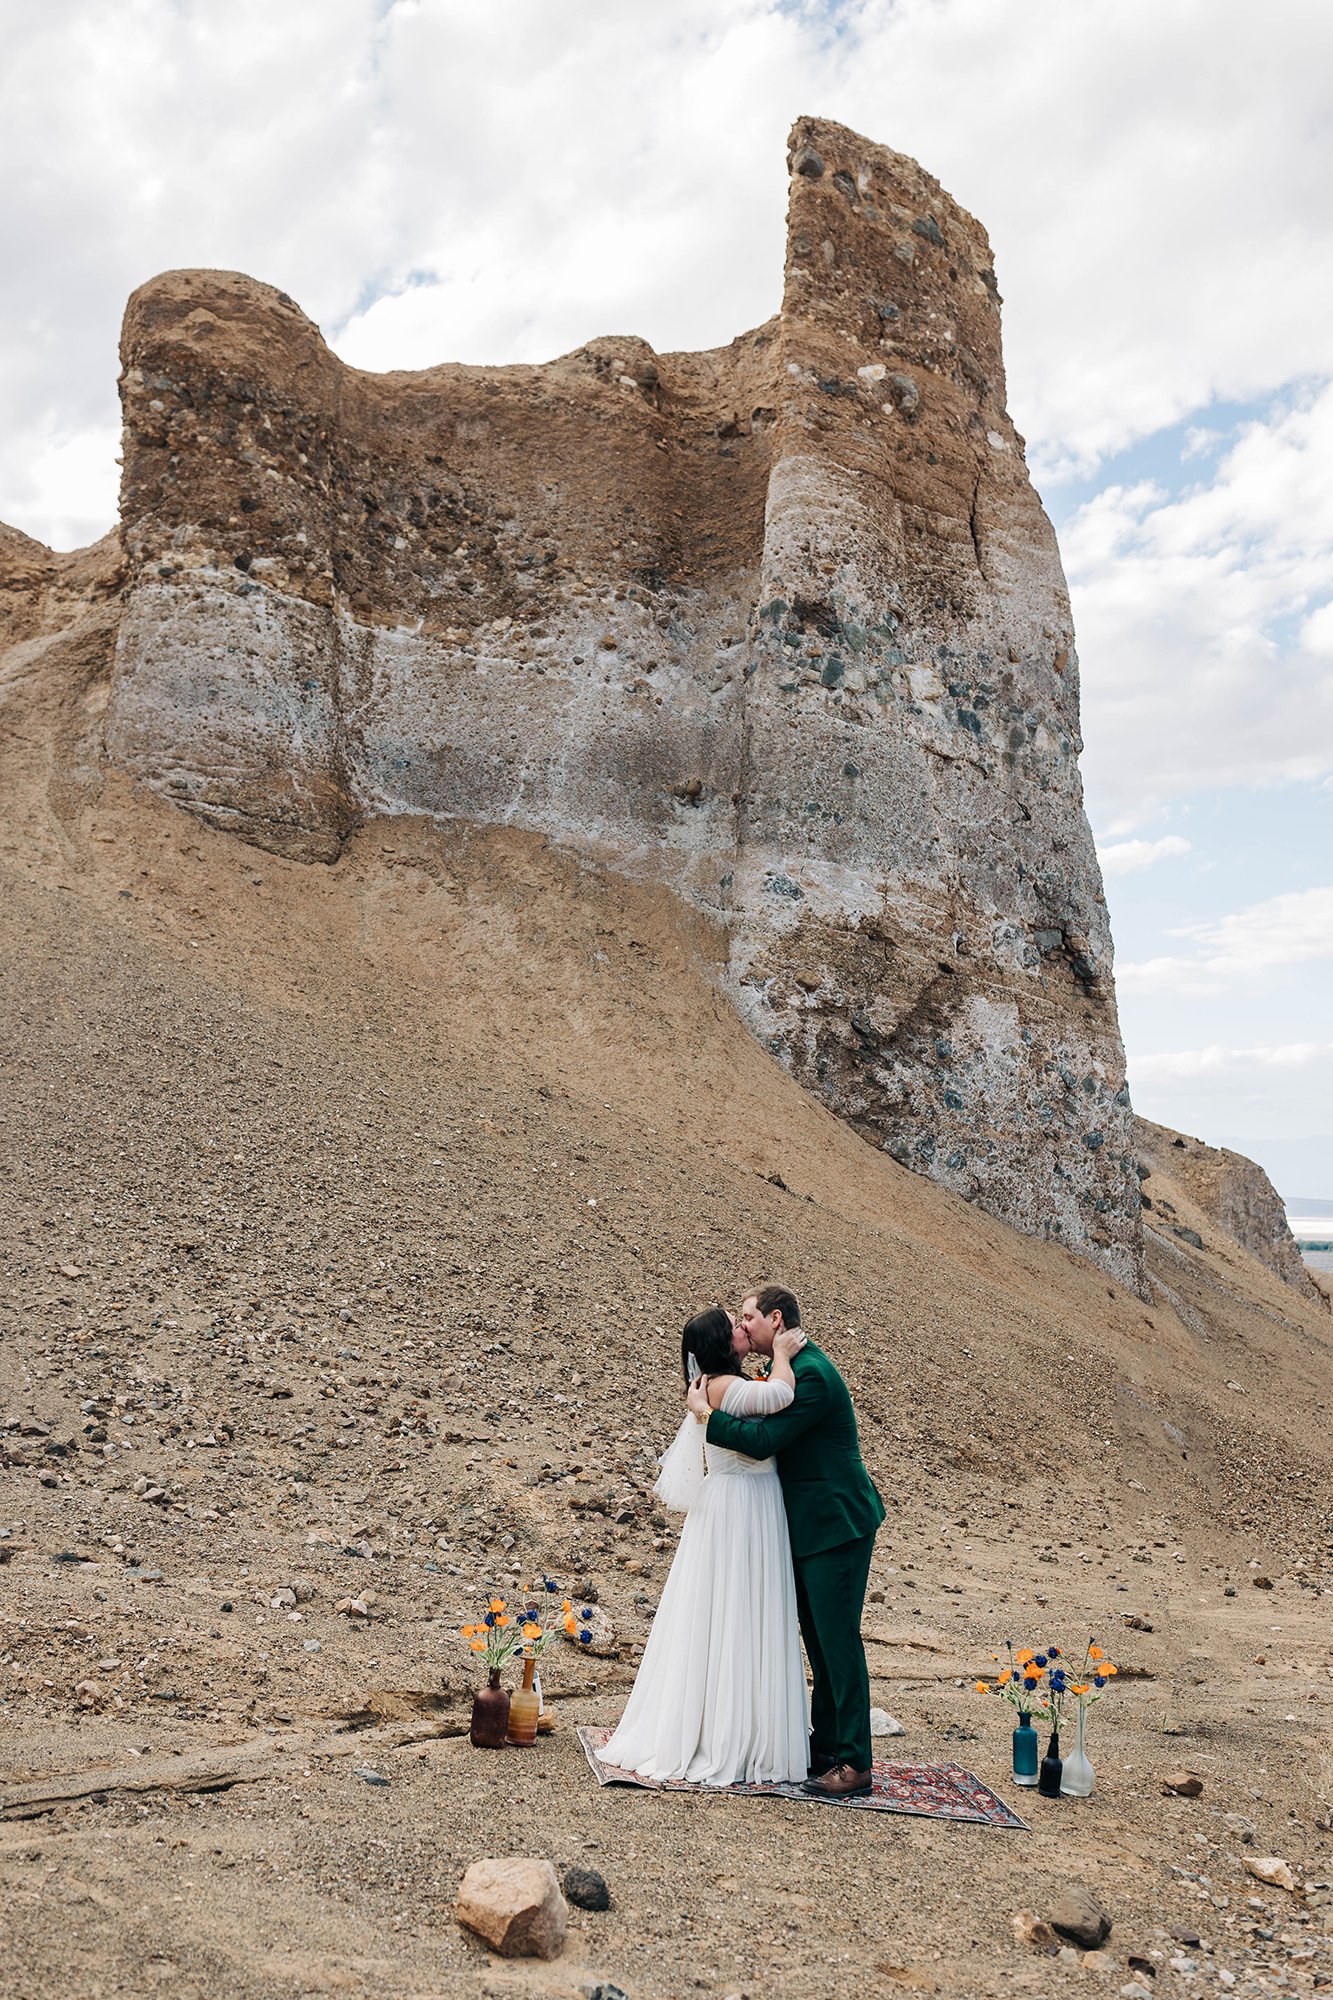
x,y
830,1594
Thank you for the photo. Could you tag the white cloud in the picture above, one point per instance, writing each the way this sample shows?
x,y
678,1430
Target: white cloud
x,y
1242,947
1180,1063
1203,662
435,180
1130,857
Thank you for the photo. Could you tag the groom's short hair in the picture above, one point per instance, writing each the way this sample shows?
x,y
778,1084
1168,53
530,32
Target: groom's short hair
x,y
776,1298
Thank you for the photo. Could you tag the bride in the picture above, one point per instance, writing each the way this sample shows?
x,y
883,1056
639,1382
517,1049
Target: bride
x,y
720,1694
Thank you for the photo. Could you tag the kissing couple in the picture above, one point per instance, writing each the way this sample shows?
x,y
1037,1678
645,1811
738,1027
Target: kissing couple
x,y
781,1517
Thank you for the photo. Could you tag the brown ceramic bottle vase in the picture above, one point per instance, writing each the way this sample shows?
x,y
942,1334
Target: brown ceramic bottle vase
x,y
524,1705
490,1713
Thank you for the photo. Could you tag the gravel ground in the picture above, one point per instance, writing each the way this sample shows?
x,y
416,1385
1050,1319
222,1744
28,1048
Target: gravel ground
x,y
347,1217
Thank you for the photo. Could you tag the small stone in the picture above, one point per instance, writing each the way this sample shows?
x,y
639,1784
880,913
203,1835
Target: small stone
x,y
1068,1956
884,1724
515,1905
1184,1784
1034,1932
1134,1989
605,1989
1262,1582
808,163
1134,1623
283,1600
1242,1828
1270,1868
311,1646
1078,1916
585,1888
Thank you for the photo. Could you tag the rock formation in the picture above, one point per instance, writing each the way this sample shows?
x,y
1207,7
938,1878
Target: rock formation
x,y
782,625
1234,1193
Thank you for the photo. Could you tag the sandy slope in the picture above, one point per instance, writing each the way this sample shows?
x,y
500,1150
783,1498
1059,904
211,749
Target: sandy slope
x,y
394,1180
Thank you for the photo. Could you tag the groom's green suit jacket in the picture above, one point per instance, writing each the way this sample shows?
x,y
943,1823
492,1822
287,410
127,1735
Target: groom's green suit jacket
x,y
830,1496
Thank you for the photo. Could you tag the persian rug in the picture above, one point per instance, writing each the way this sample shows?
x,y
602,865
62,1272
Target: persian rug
x,y
931,1791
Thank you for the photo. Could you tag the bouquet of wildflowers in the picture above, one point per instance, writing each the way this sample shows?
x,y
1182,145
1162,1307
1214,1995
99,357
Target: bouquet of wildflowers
x,y
1020,1683
497,1638
1040,1683
1089,1680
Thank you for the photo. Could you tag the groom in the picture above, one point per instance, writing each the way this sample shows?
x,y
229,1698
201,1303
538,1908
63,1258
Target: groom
x,y
833,1511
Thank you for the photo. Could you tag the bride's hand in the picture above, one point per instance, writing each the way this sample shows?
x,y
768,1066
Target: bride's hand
x,y
790,1341
696,1399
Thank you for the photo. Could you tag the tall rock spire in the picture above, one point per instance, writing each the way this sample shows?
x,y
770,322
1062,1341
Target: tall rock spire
x,y
782,625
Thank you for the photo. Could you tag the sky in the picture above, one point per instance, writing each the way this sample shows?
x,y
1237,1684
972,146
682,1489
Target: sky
x,y
435,180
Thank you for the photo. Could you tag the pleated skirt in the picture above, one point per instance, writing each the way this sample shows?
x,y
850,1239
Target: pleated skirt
x,y
720,1695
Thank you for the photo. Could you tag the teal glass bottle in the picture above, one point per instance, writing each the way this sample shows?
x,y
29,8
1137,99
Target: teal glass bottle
x,y
1025,1751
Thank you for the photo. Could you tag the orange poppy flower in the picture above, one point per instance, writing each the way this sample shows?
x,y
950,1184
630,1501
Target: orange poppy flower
x,y
1096,1653
497,1604
478,1645
983,1687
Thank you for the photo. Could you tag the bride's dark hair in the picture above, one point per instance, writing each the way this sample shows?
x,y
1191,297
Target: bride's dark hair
x,y
708,1337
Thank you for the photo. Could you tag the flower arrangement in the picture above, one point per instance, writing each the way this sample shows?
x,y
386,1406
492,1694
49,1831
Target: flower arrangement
x,y
503,1635
497,1638
1020,1683
1090,1679
1040,1683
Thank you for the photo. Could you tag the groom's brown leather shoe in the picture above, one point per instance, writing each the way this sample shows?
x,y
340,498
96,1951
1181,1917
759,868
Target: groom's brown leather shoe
x,y
819,1765
842,1782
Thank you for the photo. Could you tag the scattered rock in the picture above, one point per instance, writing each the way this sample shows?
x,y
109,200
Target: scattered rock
x,y
1184,1784
515,1905
1262,1582
1077,1915
604,1989
1270,1868
586,1889
1134,1623
1034,1932
1242,1828
884,1724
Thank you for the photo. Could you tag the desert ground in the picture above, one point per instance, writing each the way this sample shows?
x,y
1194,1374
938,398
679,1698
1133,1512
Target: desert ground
x,y
348,1217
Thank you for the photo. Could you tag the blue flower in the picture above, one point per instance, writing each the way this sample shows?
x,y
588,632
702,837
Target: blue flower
x,y
1029,1683
1040,1660
586,1615
585,1638
490,1618
1099,1680
548,1583
1054,1652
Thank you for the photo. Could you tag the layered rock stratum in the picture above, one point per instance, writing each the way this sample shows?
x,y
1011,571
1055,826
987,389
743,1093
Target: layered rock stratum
x,y
1232,1191
782,626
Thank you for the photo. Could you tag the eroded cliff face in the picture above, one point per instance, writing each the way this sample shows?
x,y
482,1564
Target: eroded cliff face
x,y
1231,1191
783,625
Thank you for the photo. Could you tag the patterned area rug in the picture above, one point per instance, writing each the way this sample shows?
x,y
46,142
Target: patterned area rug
x,y
932,1791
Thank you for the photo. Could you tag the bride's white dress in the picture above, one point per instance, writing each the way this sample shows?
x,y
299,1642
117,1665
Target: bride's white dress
x,y
720,1695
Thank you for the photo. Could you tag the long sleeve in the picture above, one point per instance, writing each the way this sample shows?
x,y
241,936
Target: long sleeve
x,y
756,1399
764,1437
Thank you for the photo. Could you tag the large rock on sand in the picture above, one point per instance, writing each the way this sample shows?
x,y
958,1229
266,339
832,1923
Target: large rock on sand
x,y
515,1905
